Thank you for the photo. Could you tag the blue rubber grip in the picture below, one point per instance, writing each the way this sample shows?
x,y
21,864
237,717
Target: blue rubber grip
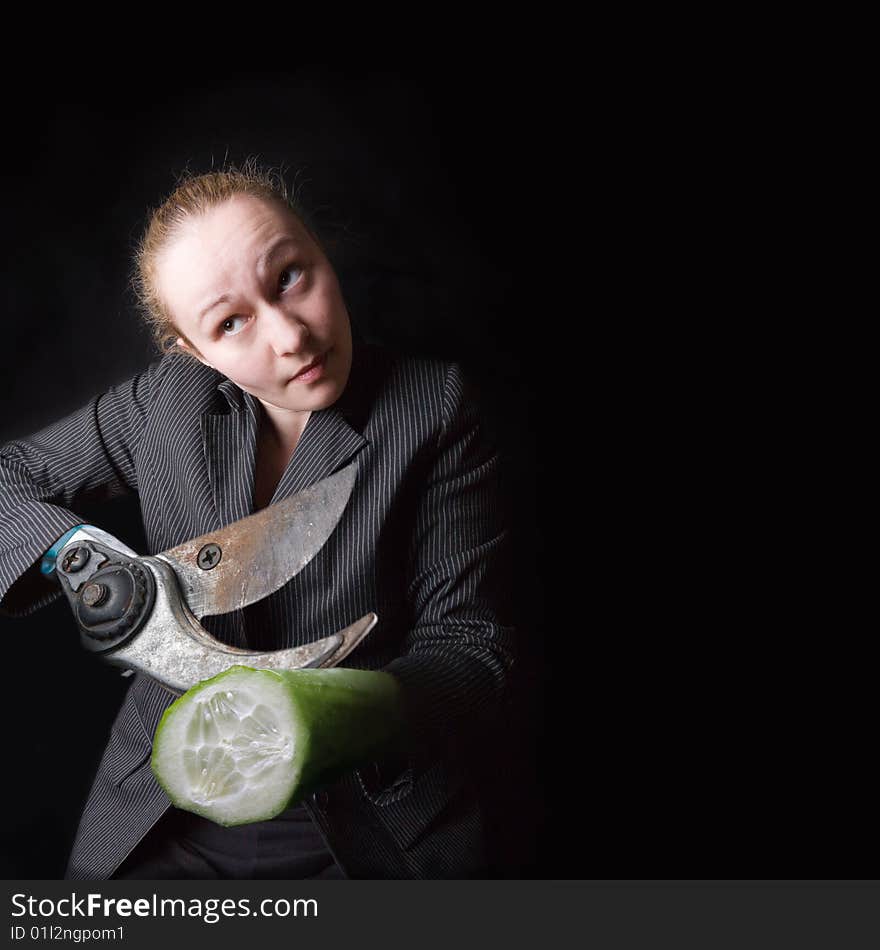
x,y
47,565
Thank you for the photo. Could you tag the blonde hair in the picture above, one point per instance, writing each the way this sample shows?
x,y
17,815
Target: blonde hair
x,y
193,195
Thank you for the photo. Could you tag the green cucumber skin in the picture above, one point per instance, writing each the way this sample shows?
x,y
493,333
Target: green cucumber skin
x,y
352,716
346,717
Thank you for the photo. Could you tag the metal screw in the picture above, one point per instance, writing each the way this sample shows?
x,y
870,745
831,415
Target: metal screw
x,y
209,557
75,560
94,594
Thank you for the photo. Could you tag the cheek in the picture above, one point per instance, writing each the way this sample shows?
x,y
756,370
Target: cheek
x,y
330,305
243,368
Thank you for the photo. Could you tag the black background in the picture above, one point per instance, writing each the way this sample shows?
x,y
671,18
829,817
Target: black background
x,y
425,186
690,704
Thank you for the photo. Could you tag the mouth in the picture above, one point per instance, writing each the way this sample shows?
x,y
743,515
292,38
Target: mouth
x,y
317,361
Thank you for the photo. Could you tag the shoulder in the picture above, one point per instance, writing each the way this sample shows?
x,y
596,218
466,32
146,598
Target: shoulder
x,y
439,387
174,366
415,380
394,397
446,396
177,377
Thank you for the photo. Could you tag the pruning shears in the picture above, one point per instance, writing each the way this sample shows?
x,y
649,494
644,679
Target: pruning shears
x,y
142,612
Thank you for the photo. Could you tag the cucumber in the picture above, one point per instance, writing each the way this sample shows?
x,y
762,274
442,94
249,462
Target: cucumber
x,y
246,744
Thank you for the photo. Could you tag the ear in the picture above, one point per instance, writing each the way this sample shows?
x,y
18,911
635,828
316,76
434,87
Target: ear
x,y
190,349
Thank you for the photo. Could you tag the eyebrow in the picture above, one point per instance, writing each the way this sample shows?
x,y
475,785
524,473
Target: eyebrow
x,y
262,263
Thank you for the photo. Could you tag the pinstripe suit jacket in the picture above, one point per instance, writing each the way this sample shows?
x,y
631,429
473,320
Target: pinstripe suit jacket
x,y
420,543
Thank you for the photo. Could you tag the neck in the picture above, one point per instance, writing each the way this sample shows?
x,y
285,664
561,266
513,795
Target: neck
x,y
283,427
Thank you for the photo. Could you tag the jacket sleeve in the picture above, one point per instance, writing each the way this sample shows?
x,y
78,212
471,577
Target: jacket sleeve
x,y
460,650
89,455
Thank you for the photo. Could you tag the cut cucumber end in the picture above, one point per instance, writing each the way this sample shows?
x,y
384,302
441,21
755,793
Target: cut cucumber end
x,y
231,748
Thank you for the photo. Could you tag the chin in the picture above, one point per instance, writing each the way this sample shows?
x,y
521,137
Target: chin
x,y
314,402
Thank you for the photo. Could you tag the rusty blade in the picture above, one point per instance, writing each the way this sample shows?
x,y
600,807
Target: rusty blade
x,y
249,559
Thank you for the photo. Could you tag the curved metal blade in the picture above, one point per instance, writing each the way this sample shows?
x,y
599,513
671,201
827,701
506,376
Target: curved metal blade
x,y
249,559
178,652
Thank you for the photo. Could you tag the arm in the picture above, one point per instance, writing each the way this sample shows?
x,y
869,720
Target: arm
x,y
460,649
87,455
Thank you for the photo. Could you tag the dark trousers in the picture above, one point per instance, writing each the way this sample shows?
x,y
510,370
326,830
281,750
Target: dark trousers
x,y
183,845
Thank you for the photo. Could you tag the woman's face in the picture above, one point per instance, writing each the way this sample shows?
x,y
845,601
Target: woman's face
x,y
259,301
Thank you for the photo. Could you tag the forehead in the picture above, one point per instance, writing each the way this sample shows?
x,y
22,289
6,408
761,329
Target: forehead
x,y
215,249
240,220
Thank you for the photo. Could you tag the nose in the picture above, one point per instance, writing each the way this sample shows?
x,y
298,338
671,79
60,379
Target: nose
x,y
286,333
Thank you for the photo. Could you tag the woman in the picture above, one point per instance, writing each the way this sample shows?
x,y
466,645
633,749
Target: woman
x,y
262,389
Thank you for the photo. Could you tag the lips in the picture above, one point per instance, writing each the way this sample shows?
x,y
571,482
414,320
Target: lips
x,y
312,365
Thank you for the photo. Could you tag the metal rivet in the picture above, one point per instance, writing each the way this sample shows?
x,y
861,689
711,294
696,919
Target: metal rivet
x,y
94,594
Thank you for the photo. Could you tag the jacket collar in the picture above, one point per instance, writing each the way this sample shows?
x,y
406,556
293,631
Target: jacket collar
x,y
331,438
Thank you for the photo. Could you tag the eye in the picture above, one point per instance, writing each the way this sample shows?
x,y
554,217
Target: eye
x,y
229,320
292,269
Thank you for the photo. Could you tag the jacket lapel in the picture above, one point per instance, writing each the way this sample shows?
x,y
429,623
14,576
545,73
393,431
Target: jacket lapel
x,y
329,441
229,440
326,445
